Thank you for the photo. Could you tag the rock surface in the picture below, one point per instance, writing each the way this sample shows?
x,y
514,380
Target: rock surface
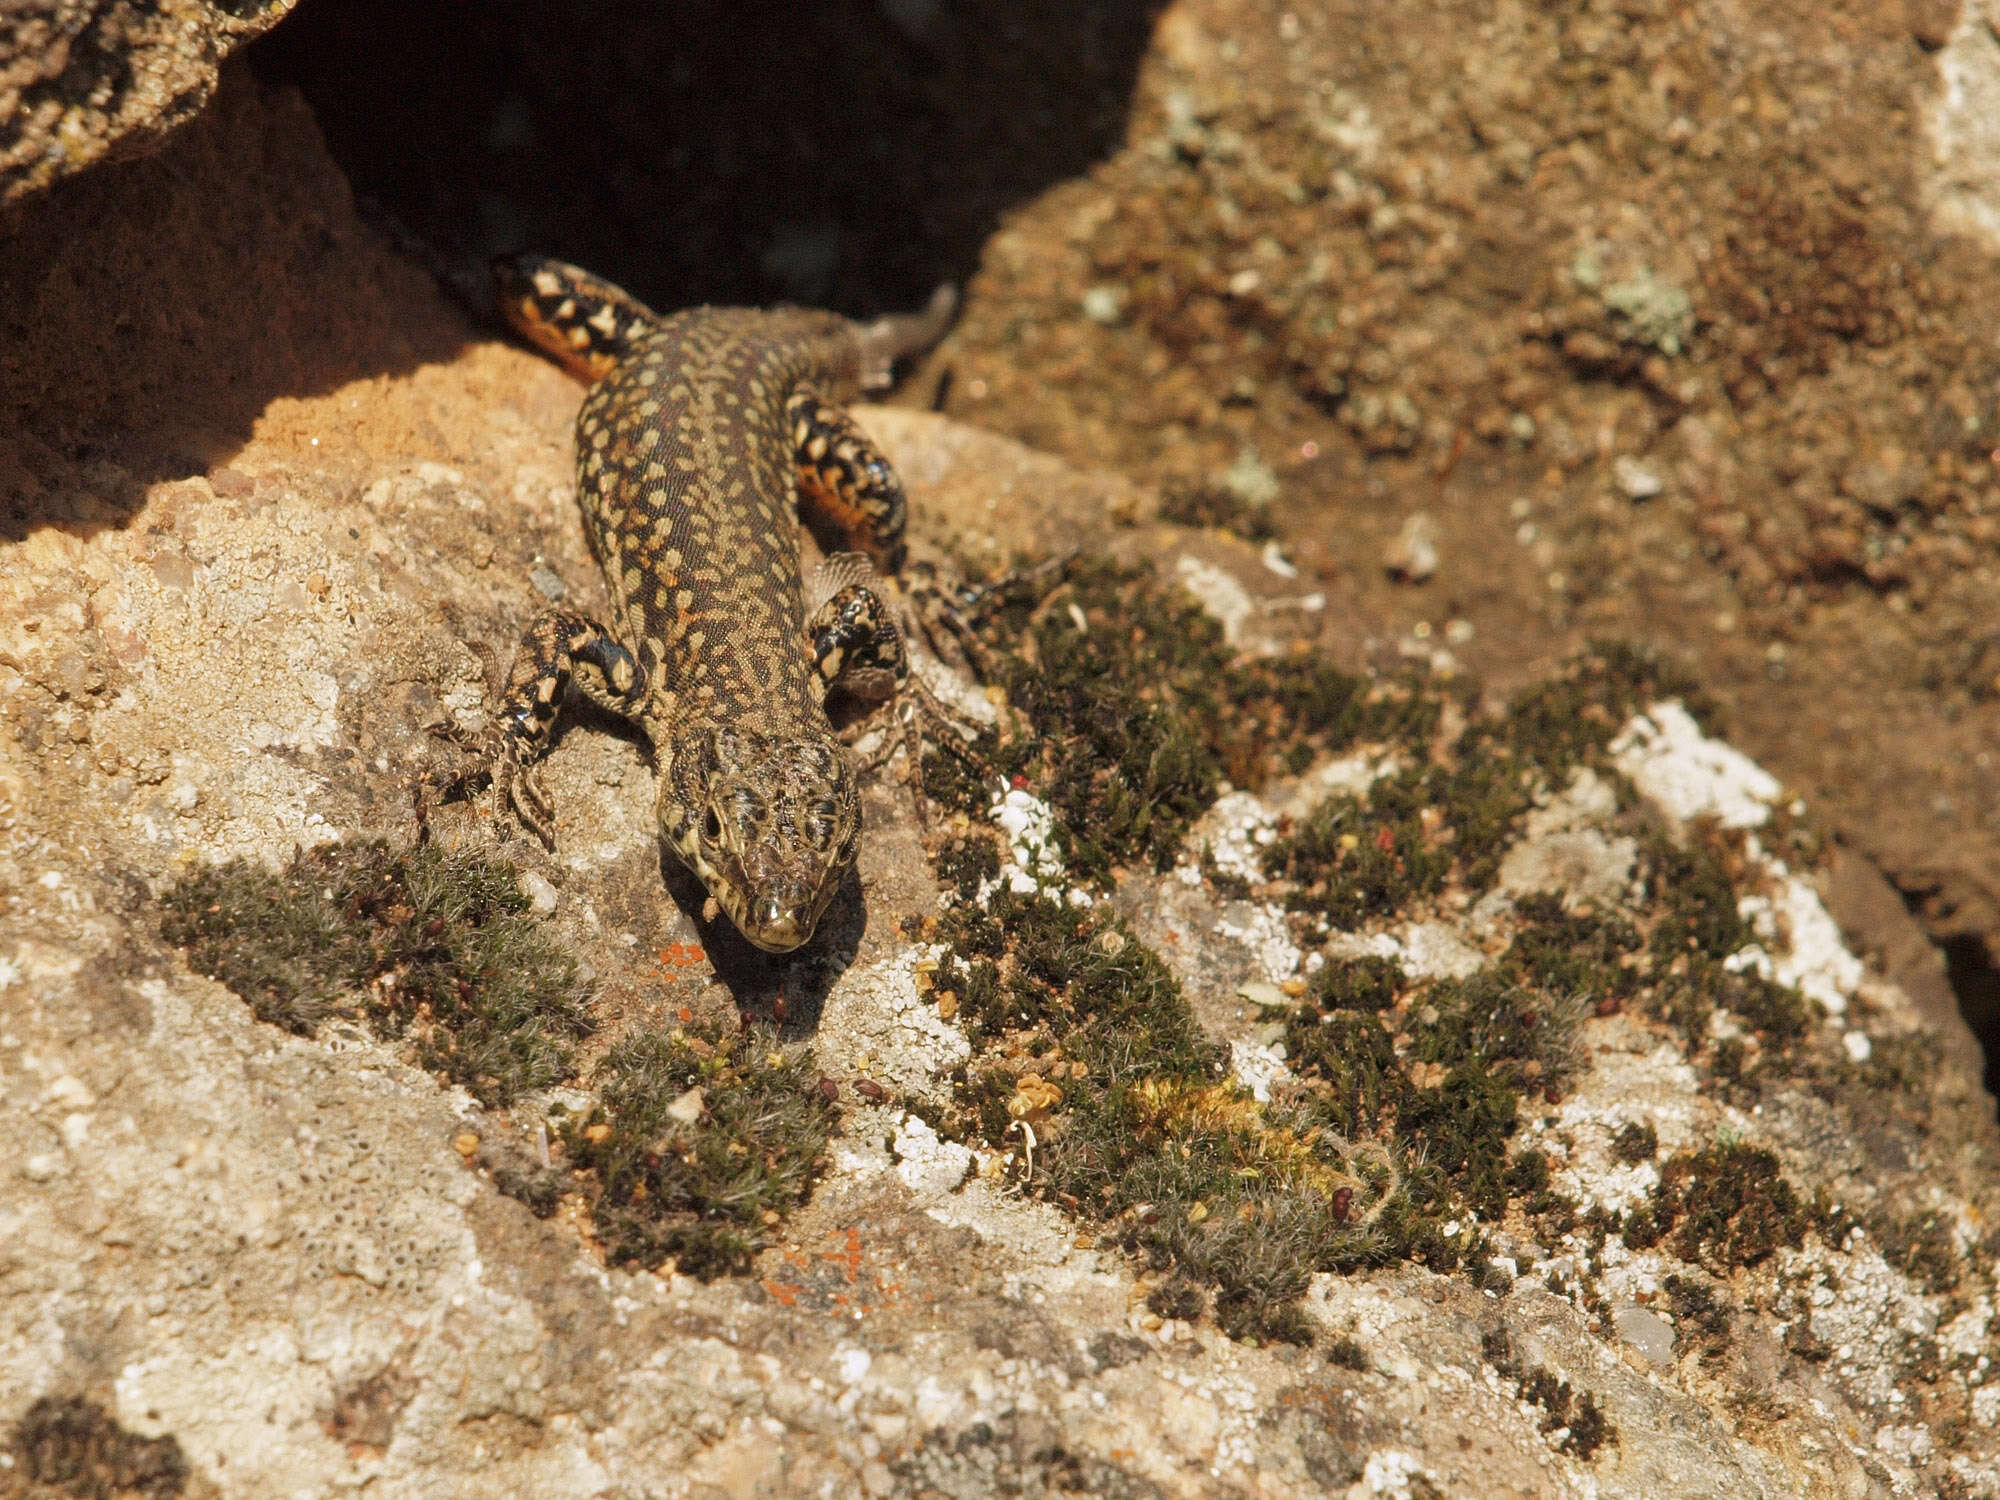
x,y
82,81
283,1261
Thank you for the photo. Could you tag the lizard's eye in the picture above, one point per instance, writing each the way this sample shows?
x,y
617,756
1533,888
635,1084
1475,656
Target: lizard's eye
x,y
820,821
711,827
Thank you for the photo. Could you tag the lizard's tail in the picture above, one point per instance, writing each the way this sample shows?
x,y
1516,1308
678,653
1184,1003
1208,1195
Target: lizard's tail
x,y
901,335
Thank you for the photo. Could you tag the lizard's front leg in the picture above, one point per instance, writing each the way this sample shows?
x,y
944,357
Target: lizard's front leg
x,y
560,649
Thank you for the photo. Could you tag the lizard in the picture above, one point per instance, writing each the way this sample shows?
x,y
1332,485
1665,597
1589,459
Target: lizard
x,y
705,436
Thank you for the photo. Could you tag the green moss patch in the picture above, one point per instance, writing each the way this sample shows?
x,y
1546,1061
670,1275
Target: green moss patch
x,y
702,1141
1444,1079
1592,957
76,1448
1399,1124
1636,1143
1447,814
1208,502
1922,1247
1573,1420
1700,1316
1727,1206
1129,709
1095,1057
433,948
1392,1141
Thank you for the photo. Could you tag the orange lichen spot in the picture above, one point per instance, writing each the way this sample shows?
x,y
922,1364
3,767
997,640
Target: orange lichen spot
x,y
681,956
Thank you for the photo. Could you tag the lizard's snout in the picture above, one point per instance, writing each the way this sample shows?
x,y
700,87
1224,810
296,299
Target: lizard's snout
x,y
777,924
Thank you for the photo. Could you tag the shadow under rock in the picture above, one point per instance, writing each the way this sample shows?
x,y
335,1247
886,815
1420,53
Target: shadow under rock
x,y
850,154
150,311
787,989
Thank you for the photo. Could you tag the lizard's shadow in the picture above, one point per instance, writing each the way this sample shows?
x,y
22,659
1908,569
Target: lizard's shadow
x,y
786,989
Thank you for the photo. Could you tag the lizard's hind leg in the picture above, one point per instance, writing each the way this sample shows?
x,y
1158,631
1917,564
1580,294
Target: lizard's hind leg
x,y
848,494
857,648
560,649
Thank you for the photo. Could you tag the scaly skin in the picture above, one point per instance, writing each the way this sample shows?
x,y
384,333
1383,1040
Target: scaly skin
x,y
691,449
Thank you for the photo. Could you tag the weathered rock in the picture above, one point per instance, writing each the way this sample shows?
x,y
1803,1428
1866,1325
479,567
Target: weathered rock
x,y
282,1263
84,81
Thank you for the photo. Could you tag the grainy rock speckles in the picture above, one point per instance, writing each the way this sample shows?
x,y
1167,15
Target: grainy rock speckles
x,y
270,1249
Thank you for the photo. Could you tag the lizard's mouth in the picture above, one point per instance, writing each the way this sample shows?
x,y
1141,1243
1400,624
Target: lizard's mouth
x,y
777,917
777,928
776,920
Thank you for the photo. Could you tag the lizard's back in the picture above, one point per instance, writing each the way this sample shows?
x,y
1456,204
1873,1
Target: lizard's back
x,y
684,474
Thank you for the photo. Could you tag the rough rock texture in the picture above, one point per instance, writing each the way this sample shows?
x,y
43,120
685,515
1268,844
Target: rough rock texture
x,y
1965,151
235,1261
82,81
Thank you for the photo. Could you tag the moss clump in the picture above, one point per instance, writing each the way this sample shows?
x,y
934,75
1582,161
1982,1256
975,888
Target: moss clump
x,y
1699,1314
964,864
1635,1143
1574,1414
1921,1247
1208,503
1727,1206
1051,975
1099,1056
431,947
1779,1015
1573,1418
1362,984
76,1448
1572,717
1581,954
1445,1084
1357,858
1694,883
1345,1353
1393,1132
1130,708
701,1141
1179,1296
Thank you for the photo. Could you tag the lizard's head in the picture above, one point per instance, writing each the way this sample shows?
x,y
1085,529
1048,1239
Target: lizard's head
x,y
769,824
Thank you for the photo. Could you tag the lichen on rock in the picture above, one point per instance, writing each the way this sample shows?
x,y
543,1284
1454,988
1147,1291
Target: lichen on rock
x,y
1386,1068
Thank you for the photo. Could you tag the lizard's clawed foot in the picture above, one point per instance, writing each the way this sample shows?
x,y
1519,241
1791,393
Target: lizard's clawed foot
x,y
518,789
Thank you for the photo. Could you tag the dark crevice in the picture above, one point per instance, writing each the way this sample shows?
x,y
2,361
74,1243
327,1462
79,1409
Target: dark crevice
x,y
1975,980
851,154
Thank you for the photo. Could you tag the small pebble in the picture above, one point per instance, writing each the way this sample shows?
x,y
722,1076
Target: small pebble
x,y
540,893
466,1144
1104,304
1262,994
1635,479
1413,555
1647,1332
